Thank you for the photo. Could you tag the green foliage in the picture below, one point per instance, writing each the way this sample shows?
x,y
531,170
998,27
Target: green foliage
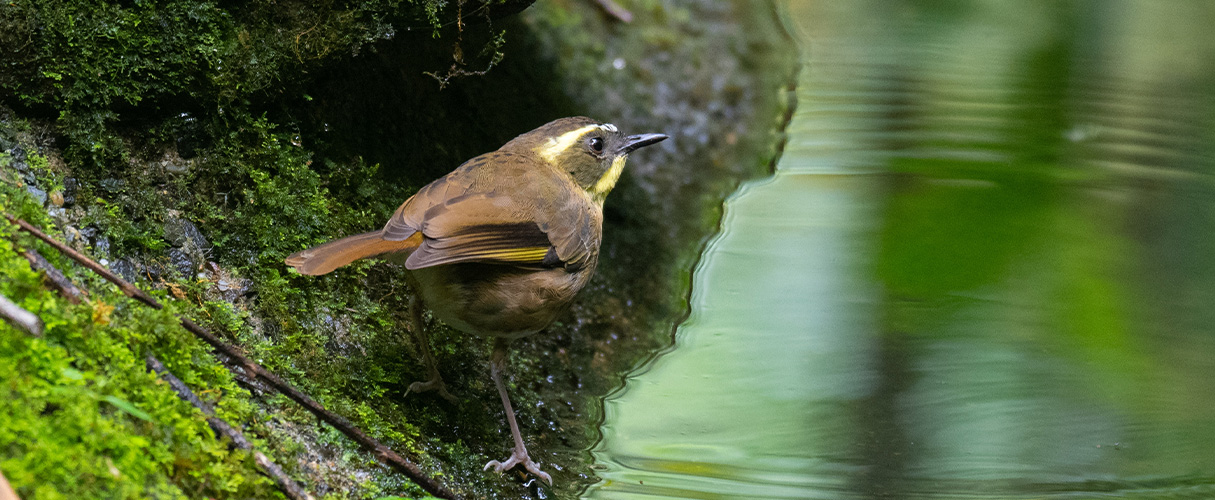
x,y
96,64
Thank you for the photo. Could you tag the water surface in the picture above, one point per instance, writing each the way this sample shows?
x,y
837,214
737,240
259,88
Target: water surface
x,y
984,268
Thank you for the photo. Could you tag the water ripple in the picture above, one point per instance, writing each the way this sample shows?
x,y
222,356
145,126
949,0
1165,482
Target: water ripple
x,y
982,270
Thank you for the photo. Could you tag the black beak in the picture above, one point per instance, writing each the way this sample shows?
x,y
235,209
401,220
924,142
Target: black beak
x,y
634,142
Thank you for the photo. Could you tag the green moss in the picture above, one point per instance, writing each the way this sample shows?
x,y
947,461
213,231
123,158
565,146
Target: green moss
x,y
96,65
83,416
80,395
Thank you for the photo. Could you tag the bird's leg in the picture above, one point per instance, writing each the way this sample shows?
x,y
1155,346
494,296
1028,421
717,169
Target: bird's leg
x,y
435,382
518,456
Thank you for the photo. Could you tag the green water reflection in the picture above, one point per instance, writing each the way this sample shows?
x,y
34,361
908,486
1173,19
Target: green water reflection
x,y
985,267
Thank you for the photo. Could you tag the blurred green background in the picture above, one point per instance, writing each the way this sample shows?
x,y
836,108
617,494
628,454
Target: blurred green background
x,y
984,268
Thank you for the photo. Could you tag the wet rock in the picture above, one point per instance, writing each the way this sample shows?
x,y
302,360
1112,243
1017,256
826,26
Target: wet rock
x,y
227,286
101,247
70,187
133,270
112,185
38,194
182,261
174,163
150,273
126,269
341,338
18,158
232,289
190,247
74,238
179,167
183,233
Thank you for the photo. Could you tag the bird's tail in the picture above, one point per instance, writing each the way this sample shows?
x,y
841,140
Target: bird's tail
x,y
325,258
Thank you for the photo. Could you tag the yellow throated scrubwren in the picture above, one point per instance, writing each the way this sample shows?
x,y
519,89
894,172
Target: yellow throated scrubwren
x,y
500,246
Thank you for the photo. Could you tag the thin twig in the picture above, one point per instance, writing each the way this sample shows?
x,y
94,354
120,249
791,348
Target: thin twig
x,y
382,453
75,295
53,276
128,289
289,487
6,491
20,318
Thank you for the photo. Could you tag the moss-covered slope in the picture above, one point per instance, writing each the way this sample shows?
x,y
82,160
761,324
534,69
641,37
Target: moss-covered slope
x,y
191,147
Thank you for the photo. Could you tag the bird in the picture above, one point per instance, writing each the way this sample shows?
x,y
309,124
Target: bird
x,y
500,246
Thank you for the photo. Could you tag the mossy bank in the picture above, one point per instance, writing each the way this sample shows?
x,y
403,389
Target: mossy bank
x,y
190,147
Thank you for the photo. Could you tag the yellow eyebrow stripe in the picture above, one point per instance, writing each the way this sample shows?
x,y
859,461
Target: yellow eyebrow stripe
x,y
553,148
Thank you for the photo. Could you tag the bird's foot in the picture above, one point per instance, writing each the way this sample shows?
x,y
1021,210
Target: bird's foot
x,y
434,384
519,457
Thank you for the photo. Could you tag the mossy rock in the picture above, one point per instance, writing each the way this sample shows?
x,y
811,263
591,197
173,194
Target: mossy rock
x,y
268,128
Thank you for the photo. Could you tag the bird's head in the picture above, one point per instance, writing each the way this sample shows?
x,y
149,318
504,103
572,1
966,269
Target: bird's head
x,y
592,153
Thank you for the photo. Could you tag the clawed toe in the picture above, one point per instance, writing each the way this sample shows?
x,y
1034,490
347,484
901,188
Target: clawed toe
x,y
517,458
535,470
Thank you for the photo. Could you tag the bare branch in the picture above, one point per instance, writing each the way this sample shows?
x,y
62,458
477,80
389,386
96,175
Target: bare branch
x,y
56,278
6,491
20,318
128,289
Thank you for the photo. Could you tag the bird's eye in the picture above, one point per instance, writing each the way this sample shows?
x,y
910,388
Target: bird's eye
x,y
596,144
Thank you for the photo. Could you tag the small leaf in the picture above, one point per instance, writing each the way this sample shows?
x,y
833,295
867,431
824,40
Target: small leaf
x,y
101,313
127,407
71,374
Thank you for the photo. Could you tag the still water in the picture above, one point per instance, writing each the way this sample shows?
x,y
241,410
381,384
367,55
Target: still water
x,y
984,268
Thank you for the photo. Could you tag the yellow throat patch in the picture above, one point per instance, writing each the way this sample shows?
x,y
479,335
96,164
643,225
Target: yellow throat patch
x,y
604,185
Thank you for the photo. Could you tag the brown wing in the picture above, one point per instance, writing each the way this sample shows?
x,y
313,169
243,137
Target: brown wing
x,y
480,228
409,216
490,210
